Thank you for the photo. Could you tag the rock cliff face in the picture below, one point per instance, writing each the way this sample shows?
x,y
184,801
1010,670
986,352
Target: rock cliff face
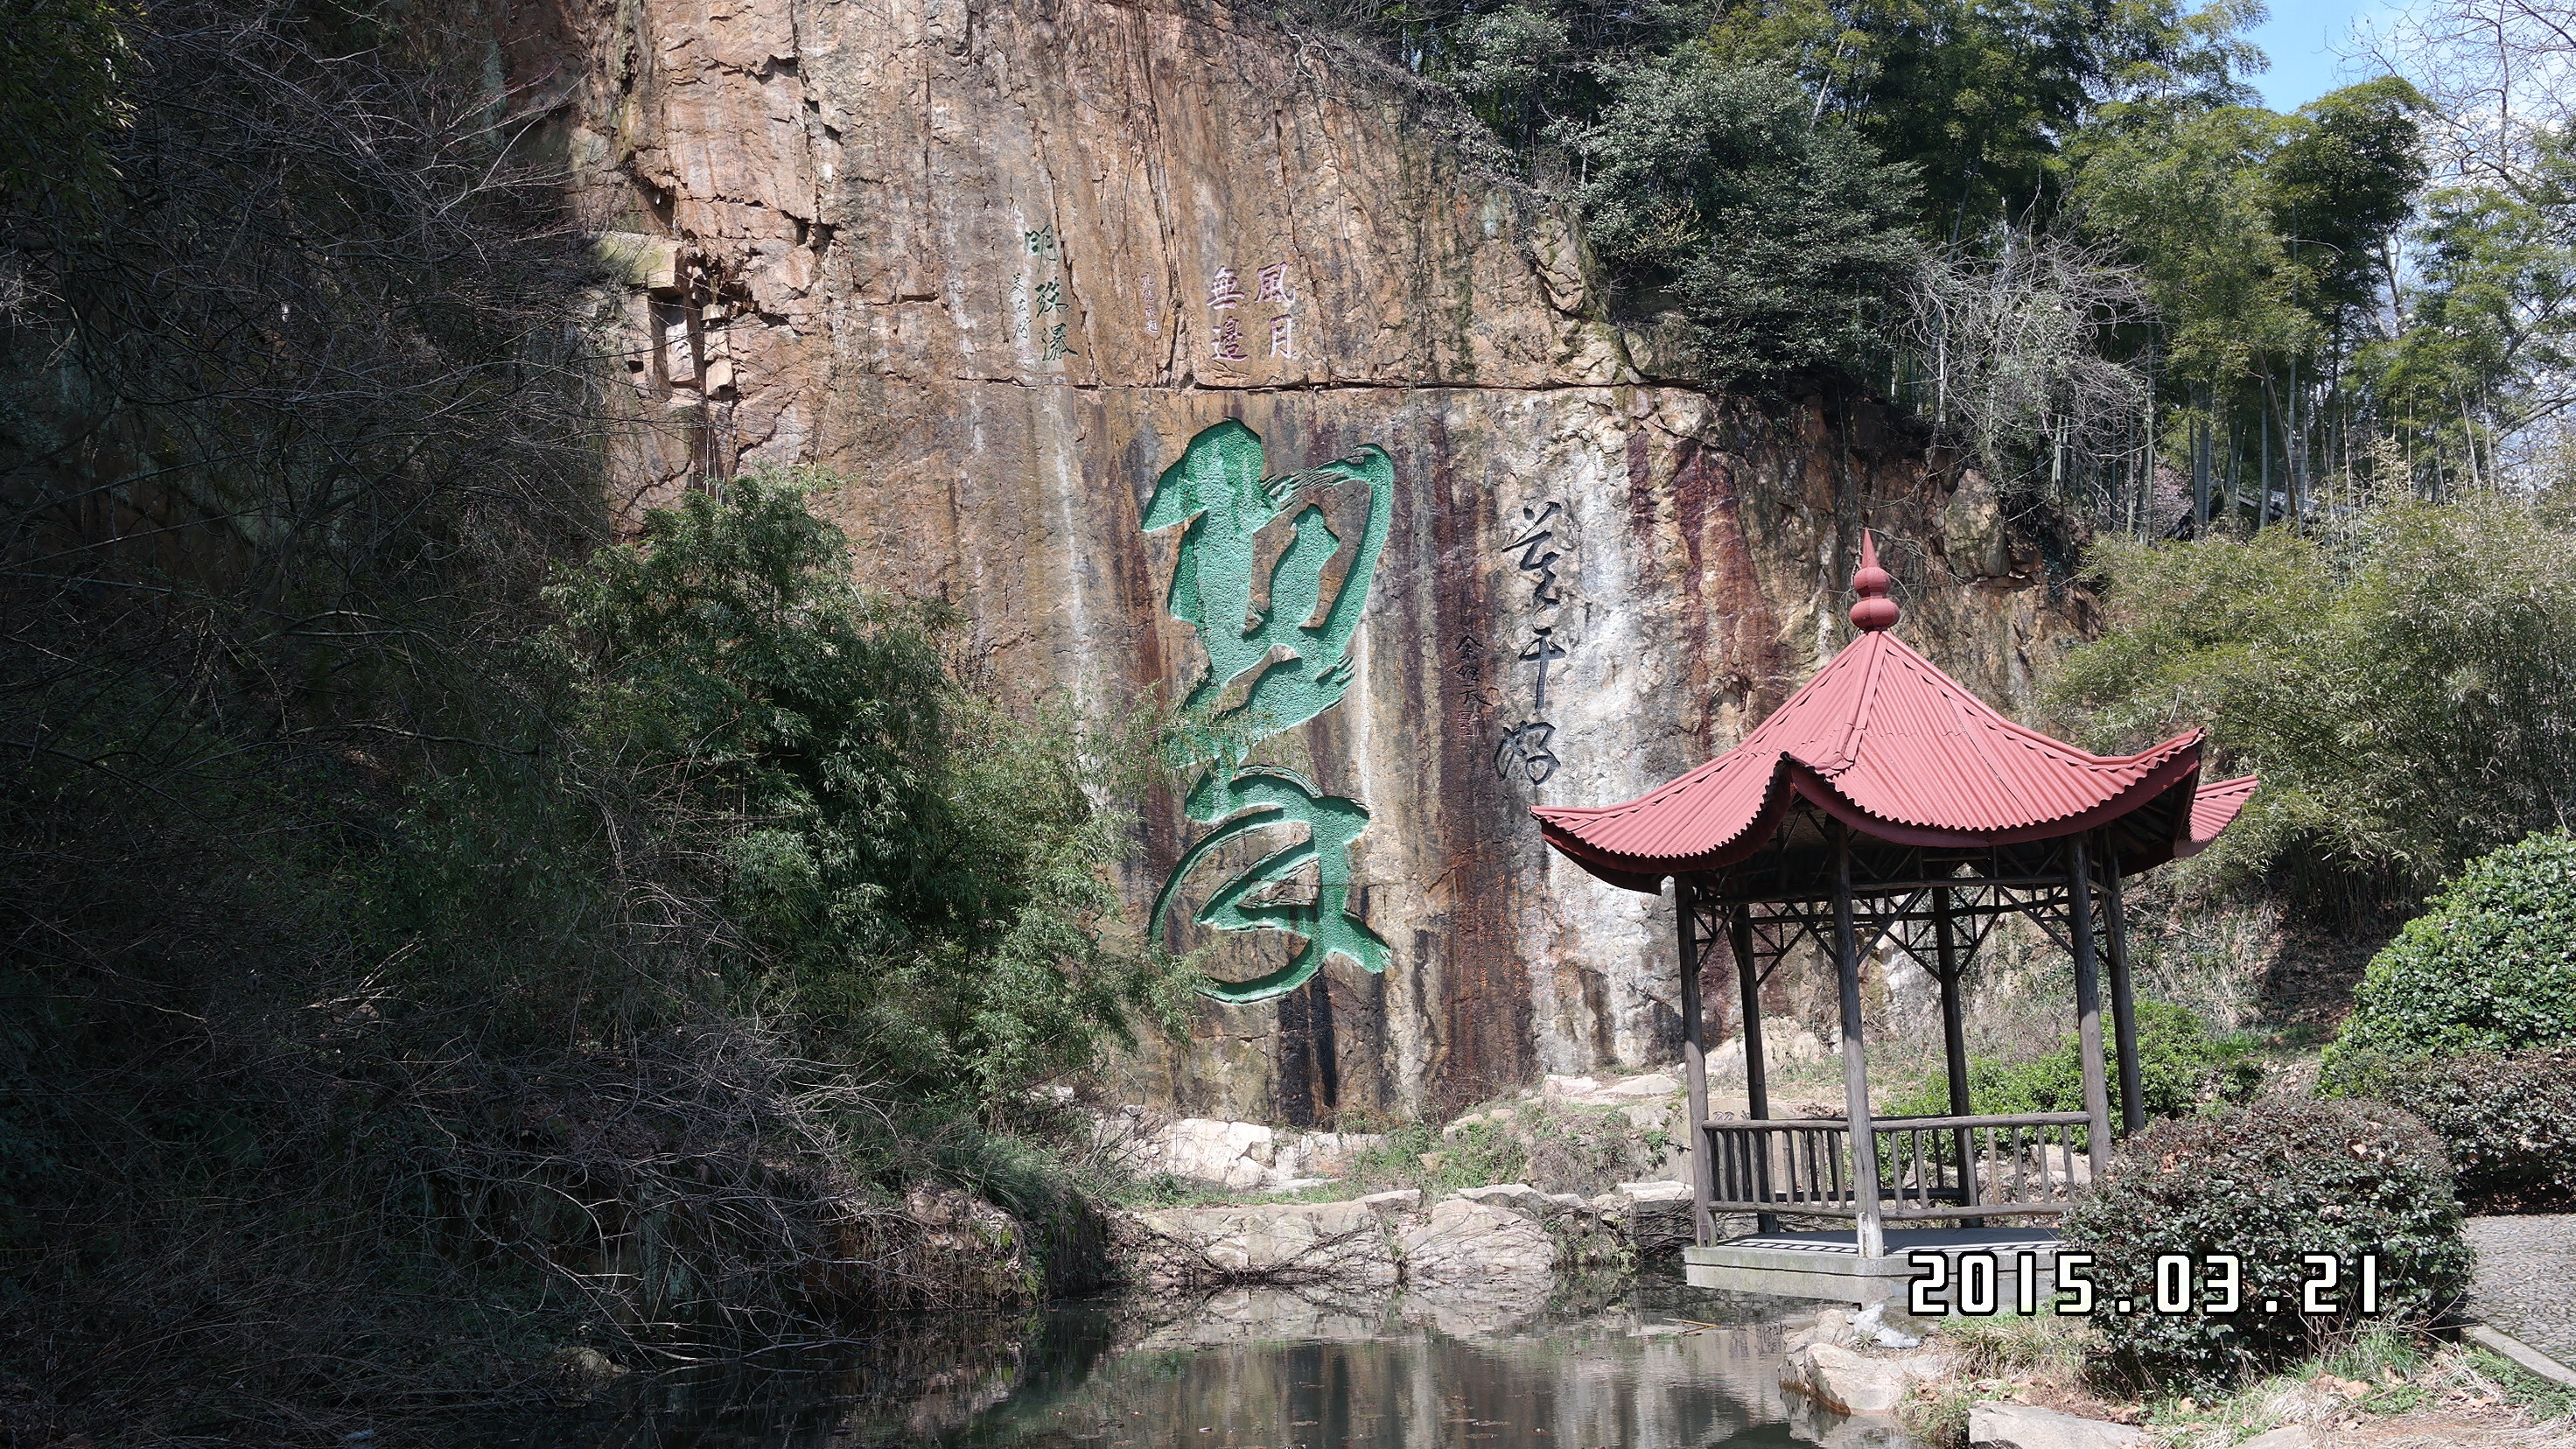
x,y
999,261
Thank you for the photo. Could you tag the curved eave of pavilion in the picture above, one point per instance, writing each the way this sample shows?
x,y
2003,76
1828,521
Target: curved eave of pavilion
x,y
1884,742
2212,809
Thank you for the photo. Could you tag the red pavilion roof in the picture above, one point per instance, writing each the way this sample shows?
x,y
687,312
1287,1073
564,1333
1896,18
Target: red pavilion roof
x,y
1895,749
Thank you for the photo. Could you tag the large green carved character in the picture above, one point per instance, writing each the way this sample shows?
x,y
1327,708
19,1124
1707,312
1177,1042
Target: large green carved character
x,y
1219,489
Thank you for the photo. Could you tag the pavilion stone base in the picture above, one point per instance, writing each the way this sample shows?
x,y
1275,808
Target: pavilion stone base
x,y
1828,1266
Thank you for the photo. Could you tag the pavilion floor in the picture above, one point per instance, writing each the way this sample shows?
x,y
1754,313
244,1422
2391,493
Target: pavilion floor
x,y
1829,1266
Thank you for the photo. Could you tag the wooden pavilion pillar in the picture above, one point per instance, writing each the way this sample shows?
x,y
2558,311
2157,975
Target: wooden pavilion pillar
x,y
2124,1005
2088,1000
1695,1065
1869,1235
1757,1072
1954,1044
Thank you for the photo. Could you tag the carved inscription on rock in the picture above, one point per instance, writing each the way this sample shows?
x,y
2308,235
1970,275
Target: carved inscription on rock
x,y
1543,539
1271,306
1299,666
1042,313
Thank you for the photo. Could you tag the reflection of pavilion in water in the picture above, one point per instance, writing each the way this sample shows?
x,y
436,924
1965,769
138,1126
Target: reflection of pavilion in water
x,y
1886,803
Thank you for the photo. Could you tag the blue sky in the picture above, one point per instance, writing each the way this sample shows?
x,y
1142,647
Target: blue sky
x,y
2305,39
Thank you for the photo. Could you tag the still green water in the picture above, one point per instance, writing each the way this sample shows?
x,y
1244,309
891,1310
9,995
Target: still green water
x,y
1270,1369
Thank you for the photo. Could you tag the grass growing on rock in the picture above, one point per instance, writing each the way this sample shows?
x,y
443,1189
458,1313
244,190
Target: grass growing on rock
x,y
1553,1147
2385,1374
2381,1374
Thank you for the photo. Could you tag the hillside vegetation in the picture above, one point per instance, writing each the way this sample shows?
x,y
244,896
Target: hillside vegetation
x,y
2064,234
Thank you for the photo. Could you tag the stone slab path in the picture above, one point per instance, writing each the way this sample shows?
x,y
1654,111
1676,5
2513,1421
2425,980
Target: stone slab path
x,y
2526,1281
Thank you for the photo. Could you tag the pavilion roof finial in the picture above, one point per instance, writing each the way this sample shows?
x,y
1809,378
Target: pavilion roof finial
x,y
1875,610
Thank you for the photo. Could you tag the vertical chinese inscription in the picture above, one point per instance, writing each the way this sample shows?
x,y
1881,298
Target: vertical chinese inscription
x,y
1537,545
1049,314
1299,667
1524,749
1272,297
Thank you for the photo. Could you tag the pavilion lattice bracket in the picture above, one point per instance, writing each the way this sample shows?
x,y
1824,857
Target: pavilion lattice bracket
x,y
1885,803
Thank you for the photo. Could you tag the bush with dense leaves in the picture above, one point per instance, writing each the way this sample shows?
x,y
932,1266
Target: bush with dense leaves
x,y
2491,967
2508,1119
2269,1183
2180,1066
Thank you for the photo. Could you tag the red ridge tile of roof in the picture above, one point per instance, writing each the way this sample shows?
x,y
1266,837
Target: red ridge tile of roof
x,y
1897,749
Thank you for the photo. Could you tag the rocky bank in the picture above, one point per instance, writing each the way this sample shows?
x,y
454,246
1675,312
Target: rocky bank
x,y
995,262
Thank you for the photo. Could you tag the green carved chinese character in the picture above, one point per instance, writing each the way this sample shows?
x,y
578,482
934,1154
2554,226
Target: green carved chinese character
x,y
1259,799
1219,489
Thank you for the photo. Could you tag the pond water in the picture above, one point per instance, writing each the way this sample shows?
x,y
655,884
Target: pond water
x,y
1264,1369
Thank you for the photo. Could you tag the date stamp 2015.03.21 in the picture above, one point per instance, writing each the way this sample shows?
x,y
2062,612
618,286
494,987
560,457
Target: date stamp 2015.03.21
x,y
1978,1284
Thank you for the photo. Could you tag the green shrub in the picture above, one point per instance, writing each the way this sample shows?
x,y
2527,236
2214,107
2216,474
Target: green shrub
x,y
913,876
2491,967
2507,1119
2269,1183
2180,1066
1468,1154
1551,1147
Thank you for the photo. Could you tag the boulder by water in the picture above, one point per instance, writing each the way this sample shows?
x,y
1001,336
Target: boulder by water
x,y
1330,1242
2026,1426
1469,1244
1508,1238
1849,1382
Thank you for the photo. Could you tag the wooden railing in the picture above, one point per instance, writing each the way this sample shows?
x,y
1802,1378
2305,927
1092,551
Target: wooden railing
x,y
1928,1167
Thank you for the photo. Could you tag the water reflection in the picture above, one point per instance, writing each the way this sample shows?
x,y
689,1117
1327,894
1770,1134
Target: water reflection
x,y
1269,1369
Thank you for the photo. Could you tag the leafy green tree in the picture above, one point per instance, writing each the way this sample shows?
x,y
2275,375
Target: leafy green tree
x,y
1706,185
912,874
2407,694
2343,180
2264,242
1521,67
2184,188
1981,95
2486,324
